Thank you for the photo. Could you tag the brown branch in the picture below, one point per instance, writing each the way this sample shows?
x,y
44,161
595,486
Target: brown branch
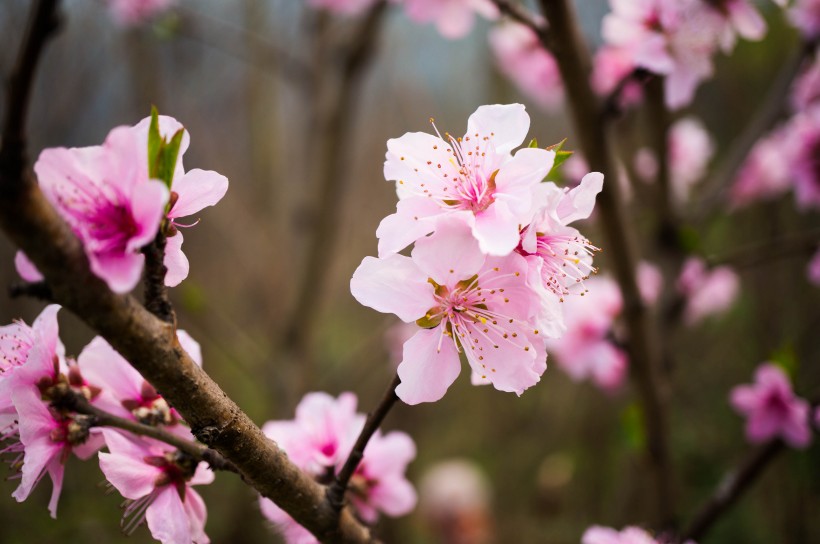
x,y
519,14
335,493
612,105
146,341
574,62
39,290
156,294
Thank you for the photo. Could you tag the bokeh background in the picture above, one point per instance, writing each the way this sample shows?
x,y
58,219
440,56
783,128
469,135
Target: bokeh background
x,y
272,310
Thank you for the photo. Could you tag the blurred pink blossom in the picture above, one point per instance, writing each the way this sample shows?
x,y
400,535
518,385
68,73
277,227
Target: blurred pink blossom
x,y
605,535
707,292
135,12
771,408
453,18
342,7
813,271
156,479
521,57
802,153
740,18
610,66
806,90
475,179
765,174
805,15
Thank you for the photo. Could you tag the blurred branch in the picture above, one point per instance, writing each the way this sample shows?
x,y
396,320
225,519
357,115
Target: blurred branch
x,y
232,40
73,401
766,116
39,290
519,14
770,250
147,342
333,131
574,63
336,491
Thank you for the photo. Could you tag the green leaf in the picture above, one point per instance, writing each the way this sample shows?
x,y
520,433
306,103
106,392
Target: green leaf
x,y
533,143
154,142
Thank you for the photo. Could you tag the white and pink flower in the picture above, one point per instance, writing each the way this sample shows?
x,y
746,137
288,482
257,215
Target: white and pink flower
x,y
771,408
475,179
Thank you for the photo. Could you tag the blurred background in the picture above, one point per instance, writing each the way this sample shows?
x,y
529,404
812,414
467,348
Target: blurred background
x,y
272,100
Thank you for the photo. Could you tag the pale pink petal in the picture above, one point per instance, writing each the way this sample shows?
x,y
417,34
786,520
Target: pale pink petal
x,y
167,519
744,398
430,365
390,453
497,230
191,346
600,535
747,20
393,285
203,475
394,496
125,467
26,268
56,470
103,367
579,202
121,271
197,189
414,218
449,255
148,202
796,430
515,181
506,125
175,261
197,516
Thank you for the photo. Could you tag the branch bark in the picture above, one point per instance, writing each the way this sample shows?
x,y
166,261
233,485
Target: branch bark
x,y
146,341
571,53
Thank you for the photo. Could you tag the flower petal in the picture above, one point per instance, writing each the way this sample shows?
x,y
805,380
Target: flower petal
x,y
395,285
505,124
26,268
449,255
175,261
429,366
167,519
197,189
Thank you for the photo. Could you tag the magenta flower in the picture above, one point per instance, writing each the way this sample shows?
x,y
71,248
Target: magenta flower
x,y
319,440
123,391
464,301
135,12
707,292
453,18
565,255
475,179
771,409
191,192
342,7
521,57
105,195
157,480
606,535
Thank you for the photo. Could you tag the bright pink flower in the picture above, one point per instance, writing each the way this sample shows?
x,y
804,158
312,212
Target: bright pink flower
x,y
453,18
135,12
771,409
806,90
157,479
464,301
521,57
707,292
765,174
342,7
805,15
319,441
190,192
606,535
105,195
566,256
586,351
673,38
813,271
123,391
475,179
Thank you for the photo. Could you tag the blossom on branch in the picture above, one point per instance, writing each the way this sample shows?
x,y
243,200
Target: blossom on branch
x,y
771,408
453,18
707,292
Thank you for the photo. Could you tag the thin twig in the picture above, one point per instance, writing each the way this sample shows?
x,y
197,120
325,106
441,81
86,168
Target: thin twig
x,y
519,14
336,491
39,290
574,62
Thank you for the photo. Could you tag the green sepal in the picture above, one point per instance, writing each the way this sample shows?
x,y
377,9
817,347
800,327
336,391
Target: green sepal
x,y
162,154
154,141
533,143
561,155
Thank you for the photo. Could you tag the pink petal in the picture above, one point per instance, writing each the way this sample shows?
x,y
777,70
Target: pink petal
x,y
600,535
390,453
175,261
26,268
103,367
167,519
197,189
197,516
450,255
516,179
126,469
408,156
430,365
121,271
148,202
497,230
746,19
393,285
508,124
414,218
394,496
190,346
203,475
579,202
56,470
744,398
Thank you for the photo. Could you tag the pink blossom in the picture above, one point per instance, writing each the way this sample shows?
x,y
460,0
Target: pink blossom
x,y
464,301
157,480
319,441
707,292
565,255
191,192
802,153
475,179
765,174
123,391
806,90
395,337
650,282
342,7
771,409
610,66
673,38
105,195
135,12
605,535
453,18
813,271
521,57
586,351
739,18
805,15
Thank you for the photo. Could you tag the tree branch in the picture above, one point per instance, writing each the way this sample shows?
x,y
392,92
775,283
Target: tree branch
x,y
156,294
572,56
147,342
519,14
335,493
39,290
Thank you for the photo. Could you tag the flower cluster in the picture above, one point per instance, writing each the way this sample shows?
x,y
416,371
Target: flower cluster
x,y
320,439
493,254
42,427
115,197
